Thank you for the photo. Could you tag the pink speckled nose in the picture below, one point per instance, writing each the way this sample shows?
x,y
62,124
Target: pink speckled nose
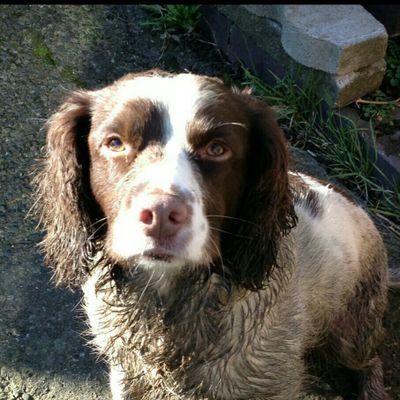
x,y
162,216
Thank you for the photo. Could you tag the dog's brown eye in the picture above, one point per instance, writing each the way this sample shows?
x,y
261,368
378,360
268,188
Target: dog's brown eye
x,y
217,150
116,144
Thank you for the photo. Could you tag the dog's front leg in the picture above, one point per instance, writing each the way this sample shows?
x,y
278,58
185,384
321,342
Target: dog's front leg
x,y
117,386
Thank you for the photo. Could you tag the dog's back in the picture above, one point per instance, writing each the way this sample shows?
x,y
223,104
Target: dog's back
x,y
342,269
337,243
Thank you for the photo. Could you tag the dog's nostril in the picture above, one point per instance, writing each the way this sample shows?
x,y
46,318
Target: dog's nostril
x,y
146,216
178,216
162,216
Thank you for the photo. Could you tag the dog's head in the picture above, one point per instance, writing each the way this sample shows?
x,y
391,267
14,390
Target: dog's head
x,y
164,171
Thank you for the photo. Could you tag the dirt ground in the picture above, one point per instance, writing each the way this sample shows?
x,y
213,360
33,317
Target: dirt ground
x,y
45,51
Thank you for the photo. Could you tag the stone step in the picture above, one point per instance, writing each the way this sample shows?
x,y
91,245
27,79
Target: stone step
x,y
345,44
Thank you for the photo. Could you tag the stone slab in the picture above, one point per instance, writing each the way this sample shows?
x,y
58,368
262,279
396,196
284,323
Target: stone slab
x,y
344,43
337,39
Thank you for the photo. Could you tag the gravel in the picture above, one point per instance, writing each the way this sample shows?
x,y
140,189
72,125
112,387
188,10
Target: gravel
x,y
45,51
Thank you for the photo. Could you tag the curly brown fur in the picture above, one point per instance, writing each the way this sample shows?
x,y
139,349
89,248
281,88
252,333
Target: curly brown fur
x,y
63,201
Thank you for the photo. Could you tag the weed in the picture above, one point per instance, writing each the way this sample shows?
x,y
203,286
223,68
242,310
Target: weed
x,y
392,76
336,139
173,19
378,108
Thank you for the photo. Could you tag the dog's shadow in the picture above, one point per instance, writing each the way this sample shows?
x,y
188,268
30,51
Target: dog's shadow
x,y
43,341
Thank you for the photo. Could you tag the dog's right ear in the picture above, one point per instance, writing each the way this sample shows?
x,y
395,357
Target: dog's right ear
x,y
63,200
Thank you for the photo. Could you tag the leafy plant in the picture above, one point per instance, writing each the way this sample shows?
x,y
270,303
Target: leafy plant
x,y
378,108
173,18
392,76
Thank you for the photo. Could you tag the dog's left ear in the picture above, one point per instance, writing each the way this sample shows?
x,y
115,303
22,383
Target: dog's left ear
x,y
63,199
267,203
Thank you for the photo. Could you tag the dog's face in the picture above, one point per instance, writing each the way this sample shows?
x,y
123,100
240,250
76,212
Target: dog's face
x,y
164,170
168,159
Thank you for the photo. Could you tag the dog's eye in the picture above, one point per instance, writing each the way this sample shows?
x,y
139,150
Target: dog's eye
x,y
115,144
216,150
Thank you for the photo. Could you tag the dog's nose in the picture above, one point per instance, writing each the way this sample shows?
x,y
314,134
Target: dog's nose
x,y
163,215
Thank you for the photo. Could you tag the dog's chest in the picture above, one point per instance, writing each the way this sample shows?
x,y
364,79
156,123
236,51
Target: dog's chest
x,y
236,351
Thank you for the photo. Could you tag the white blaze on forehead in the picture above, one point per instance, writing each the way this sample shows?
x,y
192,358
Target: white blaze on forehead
x,y
179,98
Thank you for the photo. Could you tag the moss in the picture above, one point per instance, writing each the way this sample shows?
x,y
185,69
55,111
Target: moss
x,y
40,49
42,52
71,75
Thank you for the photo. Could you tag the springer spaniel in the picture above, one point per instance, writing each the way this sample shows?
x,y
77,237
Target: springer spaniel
x,y
209,270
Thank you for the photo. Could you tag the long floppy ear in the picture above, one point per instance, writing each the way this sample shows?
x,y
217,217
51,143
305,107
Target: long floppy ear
x,y
266,204
63,200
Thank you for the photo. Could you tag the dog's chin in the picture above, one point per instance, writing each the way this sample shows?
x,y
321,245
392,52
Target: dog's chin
x,y
157,261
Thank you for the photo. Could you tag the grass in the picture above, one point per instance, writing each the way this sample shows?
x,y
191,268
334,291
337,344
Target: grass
x,y
173,19
332,137
298,108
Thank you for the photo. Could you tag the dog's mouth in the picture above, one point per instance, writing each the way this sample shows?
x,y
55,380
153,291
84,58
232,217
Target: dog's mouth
x,y
158,255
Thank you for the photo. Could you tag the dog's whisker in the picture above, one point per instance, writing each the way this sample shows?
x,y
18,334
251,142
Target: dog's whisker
x,y
217,248
145,288
93,234
99,221
231,233
232,218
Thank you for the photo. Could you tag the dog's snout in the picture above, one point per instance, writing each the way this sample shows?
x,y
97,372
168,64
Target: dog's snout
x,y
162,216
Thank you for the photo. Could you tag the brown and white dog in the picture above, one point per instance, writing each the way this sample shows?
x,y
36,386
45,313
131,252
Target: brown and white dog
x,y
209,270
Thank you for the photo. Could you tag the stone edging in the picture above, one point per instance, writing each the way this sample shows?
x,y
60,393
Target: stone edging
x,y
253,35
